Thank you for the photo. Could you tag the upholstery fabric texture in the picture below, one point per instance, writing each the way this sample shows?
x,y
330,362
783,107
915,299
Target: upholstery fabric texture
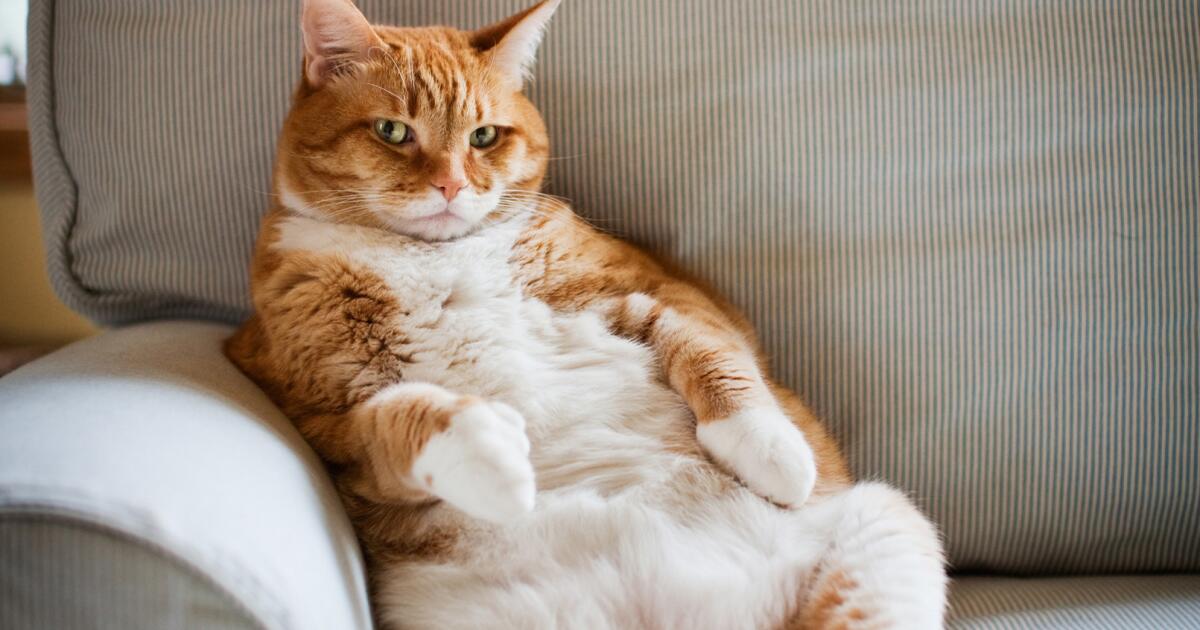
x,y
1161,602
65,574
150,434
967,232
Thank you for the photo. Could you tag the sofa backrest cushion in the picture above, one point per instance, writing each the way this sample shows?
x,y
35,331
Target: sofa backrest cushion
x,y
967,232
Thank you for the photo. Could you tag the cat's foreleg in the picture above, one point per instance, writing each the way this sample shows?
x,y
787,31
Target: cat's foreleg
x,y
711,365
413,441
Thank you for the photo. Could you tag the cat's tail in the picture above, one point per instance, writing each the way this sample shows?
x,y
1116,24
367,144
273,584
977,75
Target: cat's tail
x,y
884,566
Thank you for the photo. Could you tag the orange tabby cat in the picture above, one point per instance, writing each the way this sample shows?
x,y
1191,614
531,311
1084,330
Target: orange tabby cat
x,y
534,424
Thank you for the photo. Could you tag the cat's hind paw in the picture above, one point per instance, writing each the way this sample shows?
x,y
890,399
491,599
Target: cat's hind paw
x,y
480,463
766,451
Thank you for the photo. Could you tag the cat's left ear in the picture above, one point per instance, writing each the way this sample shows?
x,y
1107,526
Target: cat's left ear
x,y
510,47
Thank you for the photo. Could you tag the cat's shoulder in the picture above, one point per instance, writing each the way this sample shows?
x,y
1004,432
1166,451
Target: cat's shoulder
x,y
567,262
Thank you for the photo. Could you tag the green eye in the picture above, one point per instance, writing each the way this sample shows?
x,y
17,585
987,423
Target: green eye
x,y
392,131
483,137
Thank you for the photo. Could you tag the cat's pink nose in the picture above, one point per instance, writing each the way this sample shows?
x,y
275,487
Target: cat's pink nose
x,y
449,186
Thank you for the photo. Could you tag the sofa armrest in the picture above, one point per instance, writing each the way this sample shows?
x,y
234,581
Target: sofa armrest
x,y
149,434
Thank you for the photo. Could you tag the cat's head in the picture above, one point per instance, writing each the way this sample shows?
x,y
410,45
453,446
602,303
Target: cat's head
x,y
421,131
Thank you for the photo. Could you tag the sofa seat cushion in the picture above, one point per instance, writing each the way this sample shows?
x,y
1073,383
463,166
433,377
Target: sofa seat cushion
x,y
149,437
1154,602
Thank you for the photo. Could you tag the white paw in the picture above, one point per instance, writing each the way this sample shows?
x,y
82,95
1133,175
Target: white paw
x,y
480,464
766,451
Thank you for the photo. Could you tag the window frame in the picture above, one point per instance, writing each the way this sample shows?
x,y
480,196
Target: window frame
x,y
15,163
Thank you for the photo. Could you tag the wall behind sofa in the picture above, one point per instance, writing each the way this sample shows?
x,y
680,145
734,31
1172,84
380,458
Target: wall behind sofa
x,y
30,313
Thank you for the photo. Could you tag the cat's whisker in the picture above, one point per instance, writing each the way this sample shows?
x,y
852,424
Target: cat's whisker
x,y
510,210
543,204
306,156
536,193
406,77
259,191
334,198
345,199
346,210
340,208
533,199
343,190
387,91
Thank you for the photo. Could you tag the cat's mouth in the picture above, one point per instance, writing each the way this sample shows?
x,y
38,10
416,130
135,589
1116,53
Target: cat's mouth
x,y
444,216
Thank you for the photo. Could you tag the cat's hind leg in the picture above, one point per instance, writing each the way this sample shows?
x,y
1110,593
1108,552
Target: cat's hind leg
x,y
883,567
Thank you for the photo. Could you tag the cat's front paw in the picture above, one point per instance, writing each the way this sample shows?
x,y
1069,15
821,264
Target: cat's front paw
x,y
766,451
480,463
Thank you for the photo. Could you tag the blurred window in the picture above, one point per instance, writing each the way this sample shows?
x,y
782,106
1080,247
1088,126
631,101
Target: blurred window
x,y
14,137
12,41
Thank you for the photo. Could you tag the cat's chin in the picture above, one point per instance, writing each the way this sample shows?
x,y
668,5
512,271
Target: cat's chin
x,y
443,226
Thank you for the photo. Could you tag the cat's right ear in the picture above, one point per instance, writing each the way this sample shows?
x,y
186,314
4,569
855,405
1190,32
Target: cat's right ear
x,y
509,47
336,36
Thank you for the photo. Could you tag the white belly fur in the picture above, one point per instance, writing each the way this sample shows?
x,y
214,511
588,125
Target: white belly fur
x,y
633,527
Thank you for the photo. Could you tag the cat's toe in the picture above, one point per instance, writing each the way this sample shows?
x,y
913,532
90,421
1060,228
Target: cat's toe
x,y
480,464
513,417
766,451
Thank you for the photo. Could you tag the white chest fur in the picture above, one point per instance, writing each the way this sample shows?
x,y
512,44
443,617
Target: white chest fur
x,y
468,328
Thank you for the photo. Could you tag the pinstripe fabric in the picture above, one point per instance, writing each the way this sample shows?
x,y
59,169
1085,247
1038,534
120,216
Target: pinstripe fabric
x,y
966,231
1161,602
64,574
165,117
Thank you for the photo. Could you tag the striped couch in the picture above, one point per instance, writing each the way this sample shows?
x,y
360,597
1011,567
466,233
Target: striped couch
x,y
967,233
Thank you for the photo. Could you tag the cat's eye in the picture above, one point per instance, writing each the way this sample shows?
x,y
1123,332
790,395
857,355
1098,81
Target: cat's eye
x,y
484,137
392,131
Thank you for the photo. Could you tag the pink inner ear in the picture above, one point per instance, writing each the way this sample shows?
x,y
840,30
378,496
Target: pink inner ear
x,y
316,70
335,34
511,44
